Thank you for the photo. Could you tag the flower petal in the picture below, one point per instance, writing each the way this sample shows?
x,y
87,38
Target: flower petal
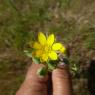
x,y
53,55
63,49
36,45
57,46
44,57
38,53
50,39
41,38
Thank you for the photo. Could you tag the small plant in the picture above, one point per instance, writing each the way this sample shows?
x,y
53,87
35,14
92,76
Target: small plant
x,y
46,51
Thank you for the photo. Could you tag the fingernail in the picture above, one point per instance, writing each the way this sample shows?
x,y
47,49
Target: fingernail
x,y
61,65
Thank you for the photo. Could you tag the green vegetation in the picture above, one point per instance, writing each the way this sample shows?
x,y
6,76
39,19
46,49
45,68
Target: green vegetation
x,y
73,21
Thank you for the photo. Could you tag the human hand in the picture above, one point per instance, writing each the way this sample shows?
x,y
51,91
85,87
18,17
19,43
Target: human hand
x,y
36,85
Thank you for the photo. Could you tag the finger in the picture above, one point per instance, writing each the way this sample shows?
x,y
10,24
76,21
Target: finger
x,y
32,73
61,82
33,84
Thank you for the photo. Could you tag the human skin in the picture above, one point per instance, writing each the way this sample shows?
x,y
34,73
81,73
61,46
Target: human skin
x,y
36,85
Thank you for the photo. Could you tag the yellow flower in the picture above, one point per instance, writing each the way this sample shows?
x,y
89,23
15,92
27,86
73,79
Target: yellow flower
x,y
46,49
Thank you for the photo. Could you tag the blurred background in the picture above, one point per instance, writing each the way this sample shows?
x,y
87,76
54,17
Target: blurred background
x,y
72,21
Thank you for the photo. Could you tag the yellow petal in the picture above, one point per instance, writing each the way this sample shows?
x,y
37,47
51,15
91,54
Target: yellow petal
x,y
53,55
50,39
41,38
44,57
38,53
57,46
63,49
36,45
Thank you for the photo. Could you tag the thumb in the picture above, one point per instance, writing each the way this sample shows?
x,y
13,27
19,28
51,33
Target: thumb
x,y
61,81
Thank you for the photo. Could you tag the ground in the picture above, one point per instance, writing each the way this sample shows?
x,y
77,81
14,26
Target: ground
x,y
72,21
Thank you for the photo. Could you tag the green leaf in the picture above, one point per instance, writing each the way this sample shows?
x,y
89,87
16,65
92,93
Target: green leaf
x,y
36,60
42,71
51,65
65,60
28,53
74,68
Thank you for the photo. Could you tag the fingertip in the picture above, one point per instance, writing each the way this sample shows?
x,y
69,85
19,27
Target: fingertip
x,y
61,81
61,72
33,75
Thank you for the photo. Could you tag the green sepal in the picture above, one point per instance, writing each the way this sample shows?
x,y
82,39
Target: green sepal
x,y
51,65
42,71
36,60
28,53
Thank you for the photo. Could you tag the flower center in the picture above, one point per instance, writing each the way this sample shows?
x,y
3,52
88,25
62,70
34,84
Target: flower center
x,y
47,49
